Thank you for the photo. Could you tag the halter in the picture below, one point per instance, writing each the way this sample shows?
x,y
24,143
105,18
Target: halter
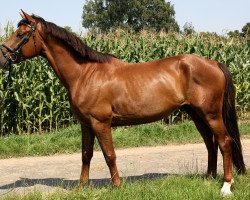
x,y
11,55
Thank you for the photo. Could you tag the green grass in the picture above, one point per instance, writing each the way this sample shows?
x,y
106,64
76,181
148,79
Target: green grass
x,y
68,140
174,187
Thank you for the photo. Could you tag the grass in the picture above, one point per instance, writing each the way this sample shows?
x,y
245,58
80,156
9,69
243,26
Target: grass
x,y
168,187
68,140
174,187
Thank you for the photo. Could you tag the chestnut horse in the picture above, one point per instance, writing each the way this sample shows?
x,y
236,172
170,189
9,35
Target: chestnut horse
x,y
105,92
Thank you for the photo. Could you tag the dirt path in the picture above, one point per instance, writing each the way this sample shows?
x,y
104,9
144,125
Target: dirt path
x,y
48,173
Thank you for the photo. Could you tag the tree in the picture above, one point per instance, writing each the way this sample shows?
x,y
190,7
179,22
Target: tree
x,y
246,30
234,34
188,29
106,15
68,28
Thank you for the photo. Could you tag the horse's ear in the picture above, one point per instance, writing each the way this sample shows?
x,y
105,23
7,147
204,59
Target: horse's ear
x,y
22,15
26,16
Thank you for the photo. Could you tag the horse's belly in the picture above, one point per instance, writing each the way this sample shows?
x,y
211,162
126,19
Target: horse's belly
x,y
146,115
144,104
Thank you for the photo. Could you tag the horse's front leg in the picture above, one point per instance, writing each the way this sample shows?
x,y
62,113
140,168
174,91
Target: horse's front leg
x,y
103,134
87,152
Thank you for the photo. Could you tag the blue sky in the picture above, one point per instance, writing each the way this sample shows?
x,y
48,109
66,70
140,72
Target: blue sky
x,y
209,15
213,15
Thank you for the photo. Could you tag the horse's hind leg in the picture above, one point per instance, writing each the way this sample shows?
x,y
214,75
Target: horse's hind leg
x,y
210,142
213,126
225,144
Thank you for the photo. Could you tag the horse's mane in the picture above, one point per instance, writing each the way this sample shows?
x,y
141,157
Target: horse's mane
x,y
71,40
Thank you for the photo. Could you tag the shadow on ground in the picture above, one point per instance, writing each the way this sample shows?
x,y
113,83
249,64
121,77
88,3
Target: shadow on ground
x,y
69,184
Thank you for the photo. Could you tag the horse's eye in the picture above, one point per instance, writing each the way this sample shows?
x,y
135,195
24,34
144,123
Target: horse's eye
x,y
20,35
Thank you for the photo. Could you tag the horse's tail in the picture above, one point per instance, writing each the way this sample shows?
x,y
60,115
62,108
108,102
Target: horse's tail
x,y
230,121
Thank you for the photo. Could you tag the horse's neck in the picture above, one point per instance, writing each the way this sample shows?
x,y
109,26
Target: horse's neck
x,y
65,66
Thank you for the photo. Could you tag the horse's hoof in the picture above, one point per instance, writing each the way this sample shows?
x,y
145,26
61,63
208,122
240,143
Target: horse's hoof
x,y
84,183
225,190
116,184
225,193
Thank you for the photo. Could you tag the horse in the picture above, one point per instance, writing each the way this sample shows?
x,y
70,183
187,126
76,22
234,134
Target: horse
x,y
105,92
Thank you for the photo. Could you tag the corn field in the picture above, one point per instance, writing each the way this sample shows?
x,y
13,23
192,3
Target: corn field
x,y
37,102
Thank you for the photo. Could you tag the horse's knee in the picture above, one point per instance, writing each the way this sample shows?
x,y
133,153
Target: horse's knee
x,y
87,156
110,159
225,144
220,134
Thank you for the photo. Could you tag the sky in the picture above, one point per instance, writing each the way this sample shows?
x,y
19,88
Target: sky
x,y
218,16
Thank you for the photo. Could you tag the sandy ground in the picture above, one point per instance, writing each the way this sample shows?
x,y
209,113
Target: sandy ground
x,y
21,175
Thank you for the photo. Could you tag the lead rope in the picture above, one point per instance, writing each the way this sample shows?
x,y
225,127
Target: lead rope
x,y
9,80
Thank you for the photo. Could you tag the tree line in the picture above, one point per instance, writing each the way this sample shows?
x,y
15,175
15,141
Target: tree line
x,y
103,16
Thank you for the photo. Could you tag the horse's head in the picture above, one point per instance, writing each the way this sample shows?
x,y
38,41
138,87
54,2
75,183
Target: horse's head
x,y
25,42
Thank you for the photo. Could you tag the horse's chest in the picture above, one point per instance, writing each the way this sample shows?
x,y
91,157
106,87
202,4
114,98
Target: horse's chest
x,y
80,112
